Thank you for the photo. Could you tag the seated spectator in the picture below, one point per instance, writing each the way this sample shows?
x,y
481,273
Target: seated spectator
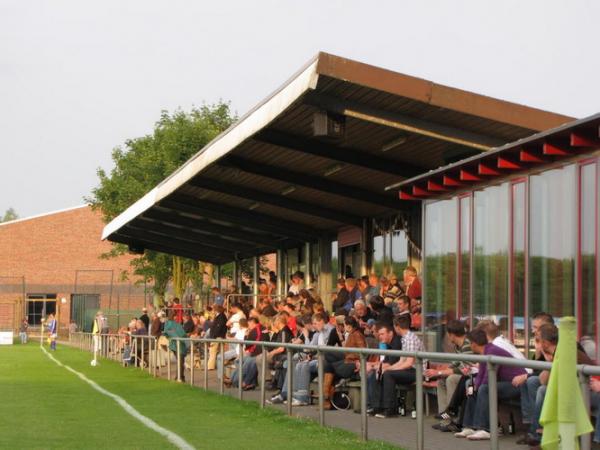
x,y
188,323
306,299
401,372
306,366
388,340
341,298
548,341
234,319
362,313
402,305
393,290
233,352
266,308
255,333
363,286
353,295
383,313
346,367
451,380
476,421
218,298
374,288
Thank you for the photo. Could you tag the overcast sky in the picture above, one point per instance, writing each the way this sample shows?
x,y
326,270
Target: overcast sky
x,y
77,78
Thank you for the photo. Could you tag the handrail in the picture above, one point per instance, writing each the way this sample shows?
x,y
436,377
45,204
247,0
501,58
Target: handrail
x,y
256,297
493,362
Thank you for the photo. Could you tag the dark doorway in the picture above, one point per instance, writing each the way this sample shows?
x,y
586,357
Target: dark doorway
x,y
39,306
83,310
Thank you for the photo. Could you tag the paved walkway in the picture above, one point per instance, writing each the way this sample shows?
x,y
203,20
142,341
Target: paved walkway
x,y
401,431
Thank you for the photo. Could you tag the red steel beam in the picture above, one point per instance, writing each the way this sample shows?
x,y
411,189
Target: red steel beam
x,y
435,187
407,196
554,150
449,181
484,169
582,139
420,192
504,163
528,156
468,176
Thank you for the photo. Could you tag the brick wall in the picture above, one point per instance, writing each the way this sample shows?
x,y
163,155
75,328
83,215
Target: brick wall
x,y
49,249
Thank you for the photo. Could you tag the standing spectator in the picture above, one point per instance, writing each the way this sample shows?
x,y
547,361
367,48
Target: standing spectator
x,y
72,327
23,330
178,310
218,330
52,327
144,318
218,298
173,329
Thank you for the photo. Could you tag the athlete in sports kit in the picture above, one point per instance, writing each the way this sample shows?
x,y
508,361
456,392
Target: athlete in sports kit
x,y
52,326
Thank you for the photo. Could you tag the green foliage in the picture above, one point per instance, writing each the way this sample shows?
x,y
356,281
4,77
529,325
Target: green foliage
x,y
9,215
144,162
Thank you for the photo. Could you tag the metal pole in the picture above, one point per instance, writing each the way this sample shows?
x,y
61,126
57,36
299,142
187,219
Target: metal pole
x,y
191,363
222,359
206,366
307,260
419,403
584,381
218,283
279,271
178,343
493,393
169,363
263,375
255,276
240,372
156,361
142,353
364,424
290,380
321,369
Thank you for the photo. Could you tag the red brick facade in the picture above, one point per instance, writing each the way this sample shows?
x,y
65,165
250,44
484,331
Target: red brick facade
x,y
48,251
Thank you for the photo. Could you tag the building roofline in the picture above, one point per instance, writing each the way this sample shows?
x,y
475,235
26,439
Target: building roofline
x,y
38,216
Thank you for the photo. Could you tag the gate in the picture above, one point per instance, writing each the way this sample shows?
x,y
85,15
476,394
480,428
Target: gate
x,y
83,310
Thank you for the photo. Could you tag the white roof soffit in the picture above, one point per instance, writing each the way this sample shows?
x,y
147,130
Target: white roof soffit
x,y
249,124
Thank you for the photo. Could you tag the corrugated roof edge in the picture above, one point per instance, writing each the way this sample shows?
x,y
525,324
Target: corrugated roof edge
x,y
510,145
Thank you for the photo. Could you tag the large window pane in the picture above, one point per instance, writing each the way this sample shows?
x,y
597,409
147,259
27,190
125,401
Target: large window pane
x,y
465,257
589,225
378,260
335,265
490,255
518,264
552,241
440,266
399,252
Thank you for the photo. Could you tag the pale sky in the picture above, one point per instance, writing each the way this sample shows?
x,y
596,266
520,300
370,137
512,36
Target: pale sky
x,y
78,78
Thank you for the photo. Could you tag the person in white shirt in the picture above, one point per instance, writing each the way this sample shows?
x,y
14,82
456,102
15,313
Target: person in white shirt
x,y
234,319
494,336
234,352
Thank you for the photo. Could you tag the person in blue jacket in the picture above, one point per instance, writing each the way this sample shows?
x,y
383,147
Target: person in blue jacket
x,y
174,329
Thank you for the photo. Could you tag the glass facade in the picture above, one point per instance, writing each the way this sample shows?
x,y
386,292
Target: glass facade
x,y
440,263
390,253
508,251
490,255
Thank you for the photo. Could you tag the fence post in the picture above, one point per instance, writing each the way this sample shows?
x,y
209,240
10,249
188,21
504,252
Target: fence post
x,y
178,343
240,372
222,360
364,424
205,366
142,353
320,371
493,393
290,381
191,362
419,403
169,361
584,381
156,361
263,375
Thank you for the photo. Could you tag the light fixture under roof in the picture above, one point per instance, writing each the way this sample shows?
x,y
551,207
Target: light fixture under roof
x,y
394,143
333,169
254,206
288,190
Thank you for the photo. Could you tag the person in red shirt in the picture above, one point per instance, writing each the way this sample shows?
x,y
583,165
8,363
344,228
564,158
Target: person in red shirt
x,y
412,284
178,310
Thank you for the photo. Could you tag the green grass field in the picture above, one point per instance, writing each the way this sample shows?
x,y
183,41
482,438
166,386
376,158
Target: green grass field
x,y
44,406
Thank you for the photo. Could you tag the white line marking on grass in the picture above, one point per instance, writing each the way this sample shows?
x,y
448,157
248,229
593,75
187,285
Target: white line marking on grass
x,y
175,439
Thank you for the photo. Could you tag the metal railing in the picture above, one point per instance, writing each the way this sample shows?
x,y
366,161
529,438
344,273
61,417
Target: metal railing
x,y
255,297
83,340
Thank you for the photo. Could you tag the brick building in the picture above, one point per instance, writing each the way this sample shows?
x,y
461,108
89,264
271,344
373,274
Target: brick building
x,y
51,263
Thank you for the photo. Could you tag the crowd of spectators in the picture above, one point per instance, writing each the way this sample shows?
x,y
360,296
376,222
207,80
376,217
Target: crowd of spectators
x,y
370,312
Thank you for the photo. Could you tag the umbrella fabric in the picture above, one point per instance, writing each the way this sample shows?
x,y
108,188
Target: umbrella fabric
x,y
564,415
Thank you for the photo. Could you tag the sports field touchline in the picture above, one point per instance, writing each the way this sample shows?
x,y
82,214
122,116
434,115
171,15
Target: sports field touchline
x,y
175,439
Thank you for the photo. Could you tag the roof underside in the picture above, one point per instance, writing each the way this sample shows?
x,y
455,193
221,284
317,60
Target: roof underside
x,y
574,139
269,183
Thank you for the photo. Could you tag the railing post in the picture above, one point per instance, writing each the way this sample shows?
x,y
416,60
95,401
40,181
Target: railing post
x,y
290,381
150,339
240,372
191,362
263,375
169,361
142,353
320,372
364,424
178,343
222,360
584,381
419,403
205,364
493,393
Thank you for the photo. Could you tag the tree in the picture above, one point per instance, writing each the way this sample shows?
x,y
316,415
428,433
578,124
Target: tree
x,y
144,162
9,215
